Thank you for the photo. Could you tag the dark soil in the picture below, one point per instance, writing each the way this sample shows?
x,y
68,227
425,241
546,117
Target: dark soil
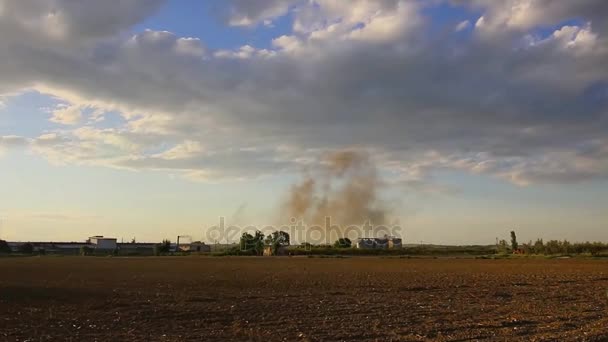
x,y
302,299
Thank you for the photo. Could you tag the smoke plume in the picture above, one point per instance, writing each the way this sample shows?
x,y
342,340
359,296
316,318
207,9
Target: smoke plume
x,y
345,186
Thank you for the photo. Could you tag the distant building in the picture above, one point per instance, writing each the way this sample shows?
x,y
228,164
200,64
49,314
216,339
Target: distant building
x,y
387,242
50,247
381,243
104,243
367,243
136,248
99,243
195,247
395,243
200,247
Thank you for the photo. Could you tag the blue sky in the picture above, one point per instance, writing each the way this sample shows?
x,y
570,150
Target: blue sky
x,y
200,19
150,119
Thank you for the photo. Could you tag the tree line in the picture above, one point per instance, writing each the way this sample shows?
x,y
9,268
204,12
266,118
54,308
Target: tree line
x,y
255,243
550,247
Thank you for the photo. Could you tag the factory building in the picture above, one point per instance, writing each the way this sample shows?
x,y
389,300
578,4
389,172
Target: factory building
x,y
102,243
196,247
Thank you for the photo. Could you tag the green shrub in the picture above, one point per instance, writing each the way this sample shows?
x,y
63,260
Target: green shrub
x,y
343,243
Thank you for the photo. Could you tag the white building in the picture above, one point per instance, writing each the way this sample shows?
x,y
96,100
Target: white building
x,y
100,242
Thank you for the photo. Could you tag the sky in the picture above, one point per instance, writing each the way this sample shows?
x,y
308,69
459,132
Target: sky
x,y
149,119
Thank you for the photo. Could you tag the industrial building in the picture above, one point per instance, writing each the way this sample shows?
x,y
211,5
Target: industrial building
x,y
195,247
136,248
66,248
97,243
102,243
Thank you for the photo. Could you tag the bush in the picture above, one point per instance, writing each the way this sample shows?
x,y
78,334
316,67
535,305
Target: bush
x,y
343,243
26,248
4,247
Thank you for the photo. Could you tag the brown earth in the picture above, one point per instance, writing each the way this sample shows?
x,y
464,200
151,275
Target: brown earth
x,y
305,299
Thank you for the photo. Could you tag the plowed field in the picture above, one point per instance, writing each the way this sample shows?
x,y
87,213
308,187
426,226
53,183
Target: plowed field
x,y
301,299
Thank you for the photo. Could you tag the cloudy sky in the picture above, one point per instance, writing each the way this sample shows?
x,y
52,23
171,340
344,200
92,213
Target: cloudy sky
x,y
149,118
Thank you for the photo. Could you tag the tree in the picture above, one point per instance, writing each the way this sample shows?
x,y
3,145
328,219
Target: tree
x,y
502,247
26,248
343,243
277,240
163,247
526,248
553,247
86,251
252,243
4,247
539,246
514,245
566,247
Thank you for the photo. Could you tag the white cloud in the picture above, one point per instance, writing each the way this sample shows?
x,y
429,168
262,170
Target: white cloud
x,y
187,149
67,115
364,74
505,17
244,52
576,38
463,25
